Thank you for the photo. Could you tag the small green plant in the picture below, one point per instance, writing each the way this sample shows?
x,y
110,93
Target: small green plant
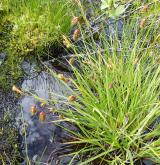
x,y
114,8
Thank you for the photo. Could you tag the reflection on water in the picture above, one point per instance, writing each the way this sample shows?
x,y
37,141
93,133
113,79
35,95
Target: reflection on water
x,y
41,136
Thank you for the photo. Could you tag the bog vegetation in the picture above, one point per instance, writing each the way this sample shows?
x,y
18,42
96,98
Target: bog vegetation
x,y
116,73
115,88
27,27
117,98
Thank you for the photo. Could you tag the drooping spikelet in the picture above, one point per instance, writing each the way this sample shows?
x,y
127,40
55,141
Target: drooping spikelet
x,y
34,110
42,116
17,90
71,98
76,34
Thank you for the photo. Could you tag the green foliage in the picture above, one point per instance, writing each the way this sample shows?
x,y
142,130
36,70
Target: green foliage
x,y
117,89
27,27
36,23
114,9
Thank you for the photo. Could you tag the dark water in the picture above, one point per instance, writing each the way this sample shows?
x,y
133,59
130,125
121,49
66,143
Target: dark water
x,y
43,140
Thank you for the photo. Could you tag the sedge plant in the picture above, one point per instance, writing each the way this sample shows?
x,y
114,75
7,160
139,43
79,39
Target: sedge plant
x,y
115,95
116,106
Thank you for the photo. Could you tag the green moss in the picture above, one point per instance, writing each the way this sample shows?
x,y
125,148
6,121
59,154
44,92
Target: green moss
x,y
9,144
36,23
27,27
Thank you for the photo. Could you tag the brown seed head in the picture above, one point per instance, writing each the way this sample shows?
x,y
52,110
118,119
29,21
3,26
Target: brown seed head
x,y
61,77
42,116
76,34
66,80
34,110
17,90
88,62
71,60
66,42
158,60
143,22
136,60
144,8
110,85
74,21
76,1
61,117
43,104
92,77
71,98
110,64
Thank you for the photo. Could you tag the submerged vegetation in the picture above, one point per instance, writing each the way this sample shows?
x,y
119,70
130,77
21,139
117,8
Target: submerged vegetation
x,y
115,73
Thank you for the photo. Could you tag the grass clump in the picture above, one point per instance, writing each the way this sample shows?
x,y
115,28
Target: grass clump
x,y
117,106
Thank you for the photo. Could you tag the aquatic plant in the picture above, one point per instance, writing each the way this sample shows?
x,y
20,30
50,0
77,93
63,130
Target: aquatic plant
x,y
114,9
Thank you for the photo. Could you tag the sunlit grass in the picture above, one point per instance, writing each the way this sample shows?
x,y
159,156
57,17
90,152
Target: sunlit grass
x,y
116,86
36,22
27,28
